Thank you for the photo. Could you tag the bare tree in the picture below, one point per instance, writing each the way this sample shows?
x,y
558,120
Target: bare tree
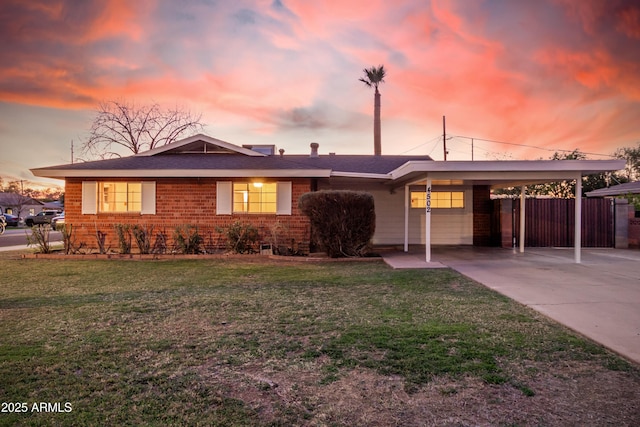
x,y
136,128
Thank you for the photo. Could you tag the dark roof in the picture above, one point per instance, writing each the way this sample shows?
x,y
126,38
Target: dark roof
x,y
12,199
336,163
617,190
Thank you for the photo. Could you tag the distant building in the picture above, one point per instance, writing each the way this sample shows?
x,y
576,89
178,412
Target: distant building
x,y
22,206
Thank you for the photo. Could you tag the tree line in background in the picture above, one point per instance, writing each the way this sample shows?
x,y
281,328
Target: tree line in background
x,y
566,189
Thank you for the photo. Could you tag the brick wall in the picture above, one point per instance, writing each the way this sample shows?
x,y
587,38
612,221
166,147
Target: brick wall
x,y
180,202
482,210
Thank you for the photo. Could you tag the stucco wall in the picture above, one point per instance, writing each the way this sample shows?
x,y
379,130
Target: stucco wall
x,y
448,226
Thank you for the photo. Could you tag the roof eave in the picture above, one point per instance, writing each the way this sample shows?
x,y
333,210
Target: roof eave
x,y
382,176
182,173
585,167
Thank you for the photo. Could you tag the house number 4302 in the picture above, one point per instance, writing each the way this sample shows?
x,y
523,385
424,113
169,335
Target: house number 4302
x,y
429,199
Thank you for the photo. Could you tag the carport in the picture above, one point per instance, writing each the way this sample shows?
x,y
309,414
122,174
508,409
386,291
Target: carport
x,y
496,174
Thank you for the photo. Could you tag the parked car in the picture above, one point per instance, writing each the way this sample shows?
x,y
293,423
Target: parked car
x,y
12,220
57,220
43,217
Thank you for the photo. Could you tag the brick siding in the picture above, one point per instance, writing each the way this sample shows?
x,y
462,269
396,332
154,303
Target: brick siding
x,y
482,211
181,202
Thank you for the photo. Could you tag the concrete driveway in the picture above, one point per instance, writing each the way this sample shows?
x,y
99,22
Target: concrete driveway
x,y
599,298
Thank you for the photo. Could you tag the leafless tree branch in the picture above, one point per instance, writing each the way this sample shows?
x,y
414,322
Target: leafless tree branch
x,y
136,128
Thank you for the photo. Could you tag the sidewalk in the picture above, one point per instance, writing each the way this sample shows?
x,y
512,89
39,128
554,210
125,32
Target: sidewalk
x,y
599,298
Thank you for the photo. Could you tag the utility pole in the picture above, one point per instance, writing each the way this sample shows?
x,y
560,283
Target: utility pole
x,y
444,137
472,149
72,151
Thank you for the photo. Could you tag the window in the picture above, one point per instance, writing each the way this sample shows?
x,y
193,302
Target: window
x,y
439,199
107,197
120,196
243,197
254,197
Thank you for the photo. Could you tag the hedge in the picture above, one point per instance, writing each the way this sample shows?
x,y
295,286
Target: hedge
x,y
342,222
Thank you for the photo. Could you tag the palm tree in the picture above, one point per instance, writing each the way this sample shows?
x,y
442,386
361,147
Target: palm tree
x,y
373,77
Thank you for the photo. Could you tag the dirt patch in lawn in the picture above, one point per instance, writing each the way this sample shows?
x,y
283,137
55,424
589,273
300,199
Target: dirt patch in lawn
x,y
575,394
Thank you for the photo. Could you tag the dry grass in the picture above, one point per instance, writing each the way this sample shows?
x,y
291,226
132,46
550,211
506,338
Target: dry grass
x,y
262,343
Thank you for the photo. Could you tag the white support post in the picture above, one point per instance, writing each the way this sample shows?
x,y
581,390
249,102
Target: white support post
x,y
406,218
427,222
523,191
577,235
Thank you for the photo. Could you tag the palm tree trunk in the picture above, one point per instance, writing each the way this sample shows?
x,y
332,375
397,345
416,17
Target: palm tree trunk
x,y
377,136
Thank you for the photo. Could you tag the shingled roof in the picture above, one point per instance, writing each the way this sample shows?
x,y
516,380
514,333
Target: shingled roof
x,y
220,159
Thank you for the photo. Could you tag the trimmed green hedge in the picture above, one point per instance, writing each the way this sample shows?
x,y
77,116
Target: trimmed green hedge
x,y
342,222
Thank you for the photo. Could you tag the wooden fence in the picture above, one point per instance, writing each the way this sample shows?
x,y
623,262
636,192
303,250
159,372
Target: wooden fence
x,y
550,222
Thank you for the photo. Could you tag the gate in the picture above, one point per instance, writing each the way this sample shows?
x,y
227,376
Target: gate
x,y
550,223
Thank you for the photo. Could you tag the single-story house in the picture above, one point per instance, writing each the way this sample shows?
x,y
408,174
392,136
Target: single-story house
x,y
19,205
628,188
210,183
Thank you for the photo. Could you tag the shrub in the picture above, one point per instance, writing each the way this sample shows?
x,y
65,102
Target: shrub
x,y
123,232
187,240
101,237
241,238
160,245
70,245
342,222
40,238
142,234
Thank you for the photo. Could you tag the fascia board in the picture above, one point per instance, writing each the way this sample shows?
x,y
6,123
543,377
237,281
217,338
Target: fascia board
x,y
181,173
511,166
361,175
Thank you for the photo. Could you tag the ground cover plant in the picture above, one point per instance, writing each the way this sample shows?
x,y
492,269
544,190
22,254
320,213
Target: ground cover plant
x,y
259,342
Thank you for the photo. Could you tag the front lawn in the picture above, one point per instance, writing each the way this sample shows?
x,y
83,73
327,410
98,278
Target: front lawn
x,y
219,342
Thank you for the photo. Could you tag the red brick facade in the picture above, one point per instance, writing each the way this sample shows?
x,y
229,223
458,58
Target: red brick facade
x,y
181,202
482,211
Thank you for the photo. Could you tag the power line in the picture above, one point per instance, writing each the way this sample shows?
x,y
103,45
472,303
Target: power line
x,y
487,152
436,139
532,146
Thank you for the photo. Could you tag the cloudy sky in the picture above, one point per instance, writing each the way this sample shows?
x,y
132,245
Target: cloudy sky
x,y
553,74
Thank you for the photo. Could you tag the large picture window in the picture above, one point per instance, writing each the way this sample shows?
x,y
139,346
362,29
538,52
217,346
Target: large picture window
x,y
120,196
439,199
254,197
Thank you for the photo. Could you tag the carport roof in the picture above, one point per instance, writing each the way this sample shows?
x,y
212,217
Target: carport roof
x,y
500,173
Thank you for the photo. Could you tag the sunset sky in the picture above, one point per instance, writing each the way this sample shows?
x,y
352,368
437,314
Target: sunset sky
x,y
554,74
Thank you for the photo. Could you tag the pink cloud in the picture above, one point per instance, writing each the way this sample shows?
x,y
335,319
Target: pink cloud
x,y
629,22
273,68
